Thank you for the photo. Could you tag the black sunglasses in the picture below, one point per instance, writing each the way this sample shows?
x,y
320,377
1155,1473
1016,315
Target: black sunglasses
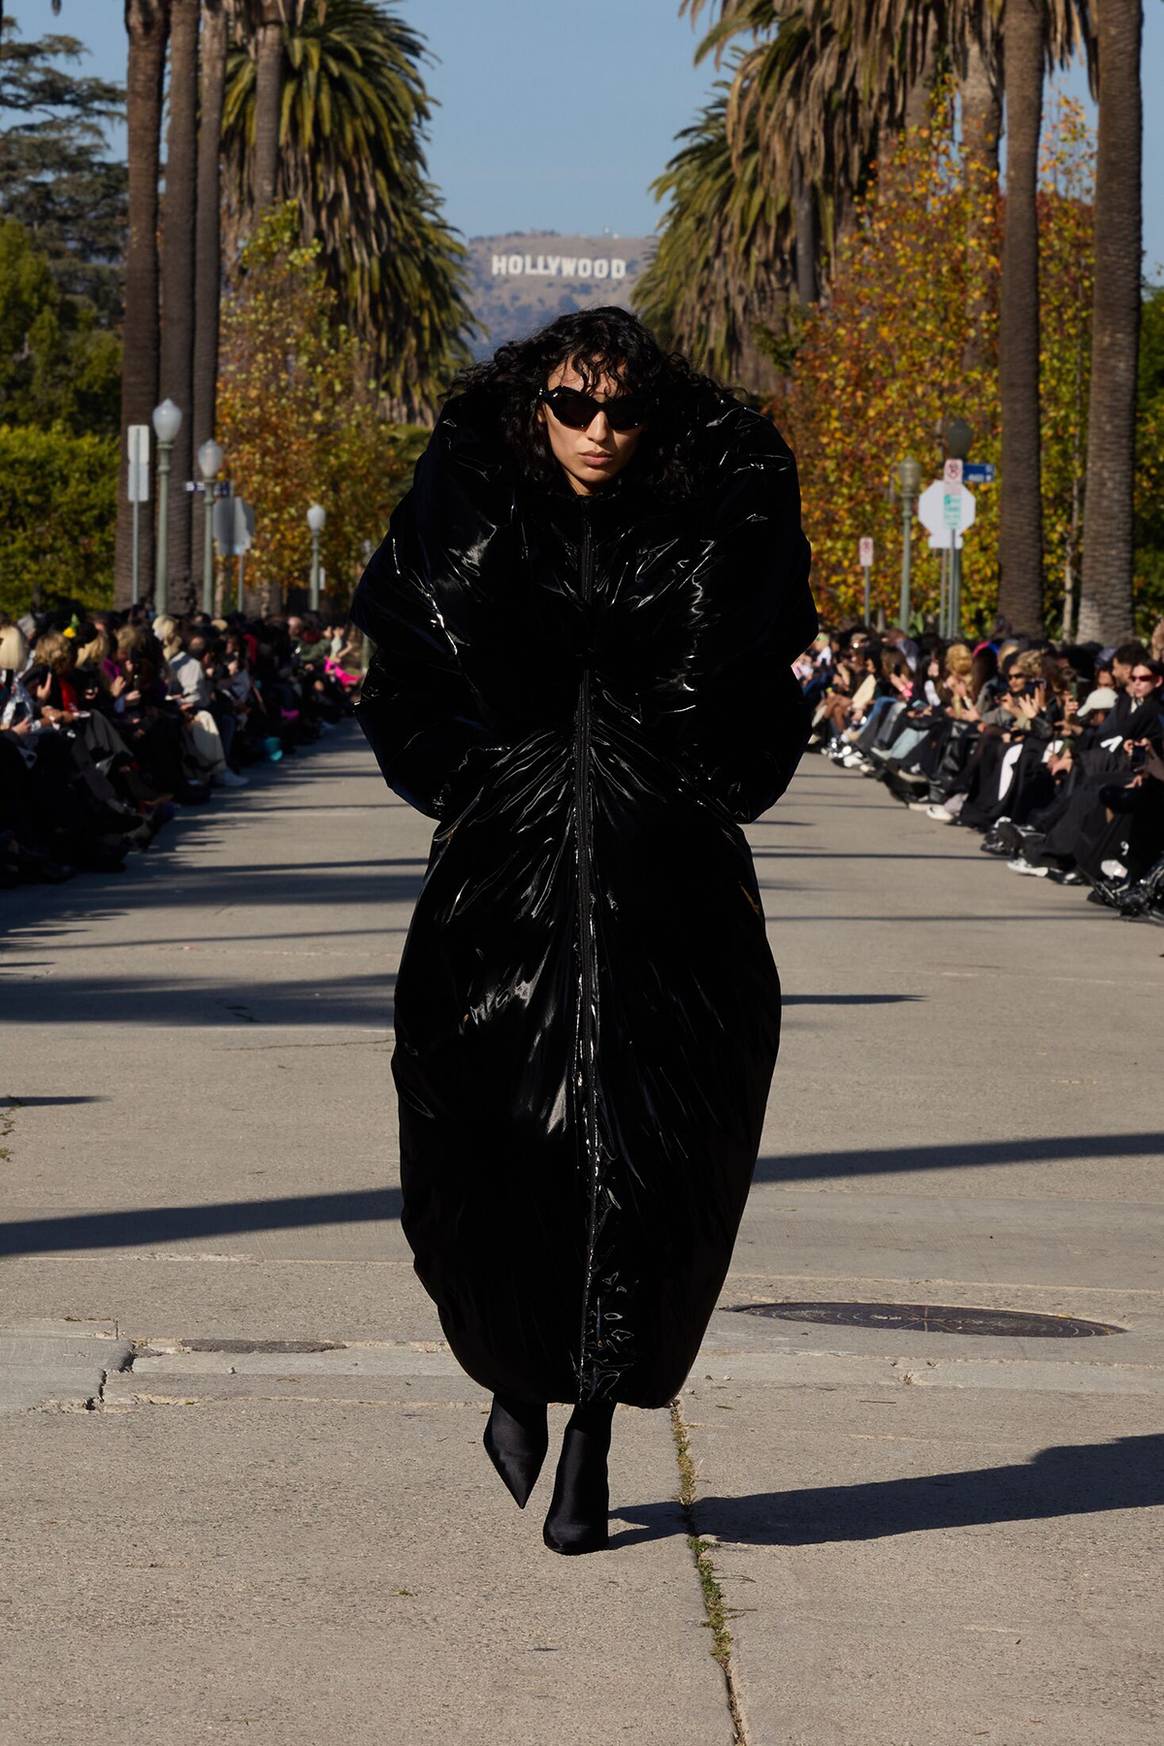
x,y
578,411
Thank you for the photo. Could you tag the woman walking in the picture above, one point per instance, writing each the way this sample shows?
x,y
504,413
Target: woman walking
x,y
584,616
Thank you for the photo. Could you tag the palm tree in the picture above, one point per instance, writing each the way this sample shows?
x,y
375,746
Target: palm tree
x,y
267,18
717,283
1105,605
352,111
1020,545
147,24
800,103
176,376
208,247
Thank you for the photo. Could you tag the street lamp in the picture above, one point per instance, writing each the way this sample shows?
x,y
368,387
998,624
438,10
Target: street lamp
x,y
167,421
210,464
908,480
957,436
316,516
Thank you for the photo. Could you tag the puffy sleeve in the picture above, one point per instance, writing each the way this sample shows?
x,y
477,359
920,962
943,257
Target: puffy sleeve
x,y
750,718
418,710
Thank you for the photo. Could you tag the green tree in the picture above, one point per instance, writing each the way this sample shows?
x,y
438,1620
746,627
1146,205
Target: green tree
x,y
57,512
54,175
352,113
57,366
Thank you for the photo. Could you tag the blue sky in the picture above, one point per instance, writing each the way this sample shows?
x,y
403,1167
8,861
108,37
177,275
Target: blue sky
x,y
558,115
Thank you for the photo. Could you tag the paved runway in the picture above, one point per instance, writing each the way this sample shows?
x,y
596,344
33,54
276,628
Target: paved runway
x,y
242,1488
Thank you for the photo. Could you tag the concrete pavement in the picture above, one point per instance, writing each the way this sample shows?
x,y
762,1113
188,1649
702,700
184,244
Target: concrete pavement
x,y
243,1491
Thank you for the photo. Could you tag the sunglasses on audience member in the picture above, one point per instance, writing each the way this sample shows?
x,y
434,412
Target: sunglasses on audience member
x,y
577,411
1142,678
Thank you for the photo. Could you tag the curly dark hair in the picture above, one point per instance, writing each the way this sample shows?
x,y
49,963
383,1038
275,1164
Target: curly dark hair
x,y
604,342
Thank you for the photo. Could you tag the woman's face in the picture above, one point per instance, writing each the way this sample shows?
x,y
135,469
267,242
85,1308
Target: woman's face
x,y
592,457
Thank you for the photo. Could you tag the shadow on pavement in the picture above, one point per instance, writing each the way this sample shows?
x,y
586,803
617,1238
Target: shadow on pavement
x,y
182,1224
330,995
177,1224
1127,1474
947,1155
33,1102
847,999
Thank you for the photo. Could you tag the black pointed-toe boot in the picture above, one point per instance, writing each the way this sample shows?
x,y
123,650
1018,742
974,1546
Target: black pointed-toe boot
x,y
516,1439
581,1501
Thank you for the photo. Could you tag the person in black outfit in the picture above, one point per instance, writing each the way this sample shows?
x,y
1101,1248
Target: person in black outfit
x,y
585,614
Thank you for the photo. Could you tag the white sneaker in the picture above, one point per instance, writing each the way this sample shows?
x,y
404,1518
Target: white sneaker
x,y
1018,865
919,806
231,779
939,814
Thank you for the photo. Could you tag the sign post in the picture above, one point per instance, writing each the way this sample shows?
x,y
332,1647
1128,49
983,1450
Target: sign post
x,y
234,533
946,509
865,558
138,491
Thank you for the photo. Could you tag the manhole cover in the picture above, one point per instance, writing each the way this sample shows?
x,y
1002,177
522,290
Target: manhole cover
x,y
261,1346
931,1318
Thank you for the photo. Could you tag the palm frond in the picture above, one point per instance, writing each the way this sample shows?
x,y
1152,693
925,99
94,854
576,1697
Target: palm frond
x,y
353,112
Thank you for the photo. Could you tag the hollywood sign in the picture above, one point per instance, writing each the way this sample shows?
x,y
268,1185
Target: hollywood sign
x,y
558,267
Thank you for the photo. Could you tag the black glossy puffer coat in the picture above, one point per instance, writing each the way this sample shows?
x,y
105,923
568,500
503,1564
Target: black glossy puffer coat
x,y
589,693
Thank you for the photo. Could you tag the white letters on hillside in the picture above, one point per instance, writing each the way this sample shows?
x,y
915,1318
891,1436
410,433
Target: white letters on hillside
x,y
558,267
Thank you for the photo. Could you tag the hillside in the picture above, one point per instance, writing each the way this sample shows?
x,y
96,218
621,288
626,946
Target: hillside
x,y
520,281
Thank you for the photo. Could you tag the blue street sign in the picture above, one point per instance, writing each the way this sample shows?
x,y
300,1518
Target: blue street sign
x,y
978,472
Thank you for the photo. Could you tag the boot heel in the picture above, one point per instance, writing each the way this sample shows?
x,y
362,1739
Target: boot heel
x,y
577,1519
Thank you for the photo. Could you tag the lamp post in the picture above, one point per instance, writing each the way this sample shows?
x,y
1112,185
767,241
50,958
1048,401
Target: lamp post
x,y
167,422
210,465
316,517
908,480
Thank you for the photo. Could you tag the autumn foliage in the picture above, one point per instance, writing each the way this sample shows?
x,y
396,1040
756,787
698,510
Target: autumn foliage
x,y
300,417
909,337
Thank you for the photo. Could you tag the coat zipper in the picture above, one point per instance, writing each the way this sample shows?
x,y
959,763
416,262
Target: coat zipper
x,y
586,944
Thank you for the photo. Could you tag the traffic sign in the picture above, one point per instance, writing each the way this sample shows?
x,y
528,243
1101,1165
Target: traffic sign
x,y
865,552
137,443
952,471
978,473
234,526
942,508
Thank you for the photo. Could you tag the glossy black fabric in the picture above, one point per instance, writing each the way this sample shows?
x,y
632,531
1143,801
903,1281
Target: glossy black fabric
x,y
589,694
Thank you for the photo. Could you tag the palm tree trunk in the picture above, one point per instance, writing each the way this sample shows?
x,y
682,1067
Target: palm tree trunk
x,y
178,214
208,247
268,92
1020,594
1105,605
981,125
807,241
147,24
